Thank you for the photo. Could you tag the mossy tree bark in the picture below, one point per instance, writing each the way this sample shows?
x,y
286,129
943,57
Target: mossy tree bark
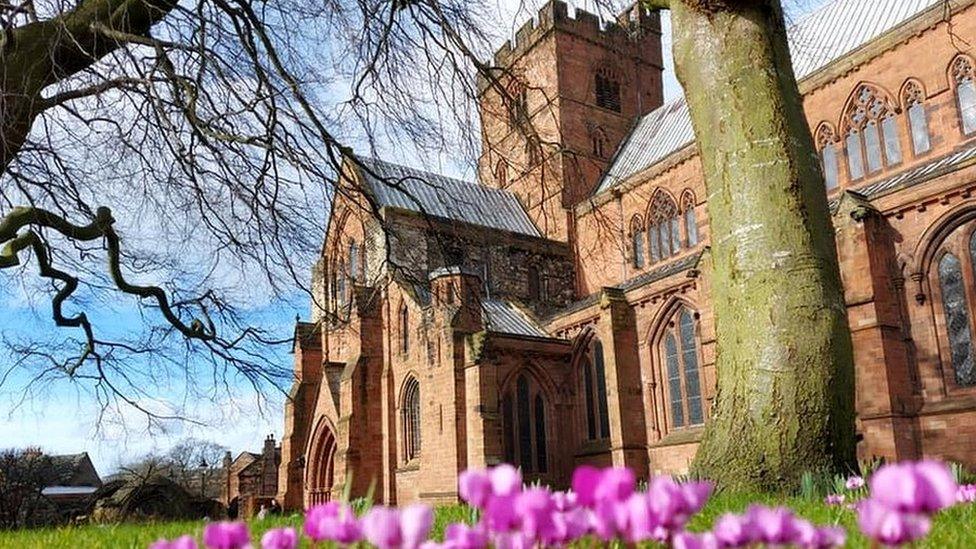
x,y
785,401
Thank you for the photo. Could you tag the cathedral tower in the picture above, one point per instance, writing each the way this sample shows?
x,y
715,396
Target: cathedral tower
x,y
560,100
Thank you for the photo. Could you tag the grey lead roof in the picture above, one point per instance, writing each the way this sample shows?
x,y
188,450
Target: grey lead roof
x,y
437,195
504,317
834,30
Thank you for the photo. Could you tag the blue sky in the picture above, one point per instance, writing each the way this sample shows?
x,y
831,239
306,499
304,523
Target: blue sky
x,y
65,417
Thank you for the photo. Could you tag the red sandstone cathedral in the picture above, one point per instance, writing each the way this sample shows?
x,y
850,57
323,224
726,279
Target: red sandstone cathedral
x,y
555,312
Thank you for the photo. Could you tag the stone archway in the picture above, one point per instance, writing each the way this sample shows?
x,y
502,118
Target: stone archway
x,y
320,466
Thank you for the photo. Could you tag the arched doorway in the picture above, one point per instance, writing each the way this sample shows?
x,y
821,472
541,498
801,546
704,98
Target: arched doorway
x,y
320,467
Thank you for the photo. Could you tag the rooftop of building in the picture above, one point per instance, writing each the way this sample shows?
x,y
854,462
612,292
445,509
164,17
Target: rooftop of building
x,y
432,194
827,34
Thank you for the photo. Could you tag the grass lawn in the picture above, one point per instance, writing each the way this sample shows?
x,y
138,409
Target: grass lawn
x,y
955,527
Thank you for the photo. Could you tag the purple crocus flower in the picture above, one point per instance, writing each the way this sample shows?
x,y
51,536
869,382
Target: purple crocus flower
x,y
182,542
966,493
475,488
685,540
226,535
415,523
535,507
854,483
835,499
772,525
333,521
922,487
505,480
733,531
891,527
381,527
280,538
462,536
585,481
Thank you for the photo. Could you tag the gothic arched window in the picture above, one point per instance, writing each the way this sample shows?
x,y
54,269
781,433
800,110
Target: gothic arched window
x,y
516,101
599,142
637,240
524,426
827,145
404,329
913,101
663,237
688,214
410,419
501,173
594,380
871,132
965,81
607,91
341,290
954,275
682,376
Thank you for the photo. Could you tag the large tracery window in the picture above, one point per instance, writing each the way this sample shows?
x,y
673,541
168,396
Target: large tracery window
x,y
872,132
956,282
965,80
594,380
827,144
913,99
524,426
679,353
663,236
410,419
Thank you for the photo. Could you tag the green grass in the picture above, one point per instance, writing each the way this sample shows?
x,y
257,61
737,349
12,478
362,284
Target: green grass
x,y
955,527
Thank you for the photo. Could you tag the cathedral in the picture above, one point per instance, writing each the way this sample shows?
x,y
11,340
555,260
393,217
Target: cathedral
x,y
555,312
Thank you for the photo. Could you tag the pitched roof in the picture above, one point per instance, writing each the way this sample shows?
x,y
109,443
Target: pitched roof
x,y
504,317
397,186
825,35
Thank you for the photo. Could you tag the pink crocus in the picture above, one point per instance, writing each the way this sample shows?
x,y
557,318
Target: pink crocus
x,y
462,536
854,483
889,526
416,521
966,493
390,528
772,525
835,499
686,540
733,531
474,487
280,538
505,480
922,487
182,542
226,535
333,521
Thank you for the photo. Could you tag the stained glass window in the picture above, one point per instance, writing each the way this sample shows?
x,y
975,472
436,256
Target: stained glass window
x,y
872,131
637,241
674,381
601,388
827,142
914,99
665,239
963,74
524,426
691,224
679,352
541,458
411,419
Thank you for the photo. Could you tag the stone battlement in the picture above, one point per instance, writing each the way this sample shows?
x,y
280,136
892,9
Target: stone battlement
x,y
554,14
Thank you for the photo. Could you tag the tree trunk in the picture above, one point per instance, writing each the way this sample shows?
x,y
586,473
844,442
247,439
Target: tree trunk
x,y
785,401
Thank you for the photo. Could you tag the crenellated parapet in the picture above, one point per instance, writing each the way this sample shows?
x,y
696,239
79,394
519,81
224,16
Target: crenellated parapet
x,y
625,34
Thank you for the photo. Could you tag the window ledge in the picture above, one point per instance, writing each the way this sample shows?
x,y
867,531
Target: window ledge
x,y
409,467
683,436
